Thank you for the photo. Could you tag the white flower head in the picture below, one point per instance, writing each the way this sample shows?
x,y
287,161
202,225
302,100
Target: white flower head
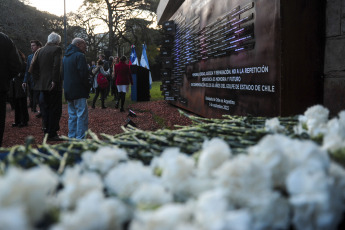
x,y
28,188
126,178
94,212
104,159
151,195
312,201
315,119
211,208
239,219
76,184
14,218
270,151
178,170
273,125
214,153
307,154
337,173
281,154
243,176
166,217
334,138
341,116
269,210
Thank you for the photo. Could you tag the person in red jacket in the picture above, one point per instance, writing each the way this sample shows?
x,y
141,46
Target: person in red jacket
x,y
122,79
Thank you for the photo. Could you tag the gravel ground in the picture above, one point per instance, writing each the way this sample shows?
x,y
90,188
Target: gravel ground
x,y
151,115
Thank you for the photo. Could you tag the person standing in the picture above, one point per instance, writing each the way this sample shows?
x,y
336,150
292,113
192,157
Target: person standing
x,y
105,62
76,88
113,84
123,77
18,93
92,66
10,65
106,68
28,80
46,70
110,68
96,71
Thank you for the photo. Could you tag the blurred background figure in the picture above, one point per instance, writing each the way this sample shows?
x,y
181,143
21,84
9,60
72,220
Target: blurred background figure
x,y
10,65
18,93
99,90
29,81
76,88
46,70
123,78
115,93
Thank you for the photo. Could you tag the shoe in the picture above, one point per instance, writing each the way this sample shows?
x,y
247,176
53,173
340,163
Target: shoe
x,y
93,106
104,107
39,115
116,105
22,124
54,138
15,124
122,110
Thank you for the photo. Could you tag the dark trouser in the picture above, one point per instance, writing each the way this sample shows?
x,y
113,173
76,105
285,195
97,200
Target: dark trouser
x,y
31,97
115,92
21,114
122,98
42,109
102,91
107,90
35,98
32,104
2,114
51,111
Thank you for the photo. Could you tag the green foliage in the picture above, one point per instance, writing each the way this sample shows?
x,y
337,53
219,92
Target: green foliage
x,y
239,132
138,32
125,26
110,102
23,23
338,156
159,120
155,92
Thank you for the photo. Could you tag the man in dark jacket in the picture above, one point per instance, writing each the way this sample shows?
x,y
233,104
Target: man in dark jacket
x,y
76,88
10,64
28,80
46,70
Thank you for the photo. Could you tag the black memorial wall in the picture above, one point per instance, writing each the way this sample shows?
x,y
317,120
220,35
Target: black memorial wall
x,y
242,57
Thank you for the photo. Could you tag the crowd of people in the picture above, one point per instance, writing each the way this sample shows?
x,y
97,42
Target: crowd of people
x,y
49,72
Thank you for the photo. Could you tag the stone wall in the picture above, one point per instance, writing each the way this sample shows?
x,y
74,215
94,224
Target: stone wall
x,y
334,61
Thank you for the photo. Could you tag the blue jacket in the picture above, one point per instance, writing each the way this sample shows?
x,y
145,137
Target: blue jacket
x,y
28,78
75,74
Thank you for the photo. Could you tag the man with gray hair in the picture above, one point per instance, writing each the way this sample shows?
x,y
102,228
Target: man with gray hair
x,y
76,88
46,70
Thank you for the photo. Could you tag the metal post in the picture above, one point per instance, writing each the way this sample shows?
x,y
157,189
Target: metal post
x,y
65,24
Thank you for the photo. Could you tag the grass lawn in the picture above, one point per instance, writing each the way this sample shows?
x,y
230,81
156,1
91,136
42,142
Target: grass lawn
x,y
155,94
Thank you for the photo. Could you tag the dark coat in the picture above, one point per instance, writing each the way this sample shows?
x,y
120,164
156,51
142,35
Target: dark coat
x,y
16,89
123,74
10,62
75,74
48,63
